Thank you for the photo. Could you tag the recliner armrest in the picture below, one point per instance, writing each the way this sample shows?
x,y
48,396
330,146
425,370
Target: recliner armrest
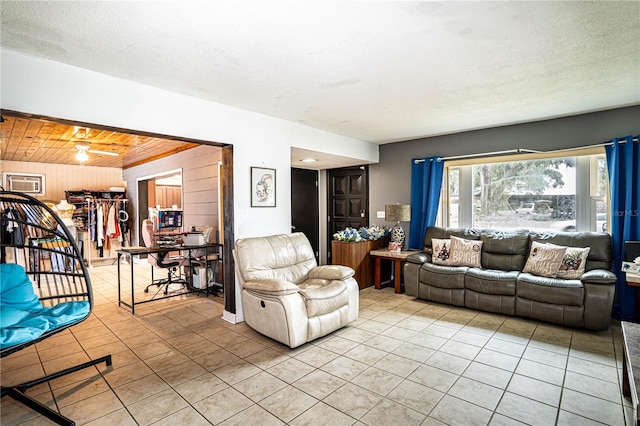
x,y
331,272
598,276
272,287
419,258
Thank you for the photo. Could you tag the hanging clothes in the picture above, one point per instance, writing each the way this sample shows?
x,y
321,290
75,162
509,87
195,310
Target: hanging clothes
x,y
107,236
99,225
123,221
113,230
11,229
91,220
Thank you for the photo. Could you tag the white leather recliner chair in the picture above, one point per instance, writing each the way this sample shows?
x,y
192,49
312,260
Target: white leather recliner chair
x,y
286,295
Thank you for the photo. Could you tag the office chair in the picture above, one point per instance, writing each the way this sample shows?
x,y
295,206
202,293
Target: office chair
x,y
162,261
44,288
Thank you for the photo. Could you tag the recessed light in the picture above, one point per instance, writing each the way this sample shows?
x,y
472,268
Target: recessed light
x,y
308,160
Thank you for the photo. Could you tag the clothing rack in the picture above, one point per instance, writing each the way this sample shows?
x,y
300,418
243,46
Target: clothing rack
x,y
525,151
91,220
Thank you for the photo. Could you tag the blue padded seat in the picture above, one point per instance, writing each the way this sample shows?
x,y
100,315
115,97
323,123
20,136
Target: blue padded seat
x,y
22,316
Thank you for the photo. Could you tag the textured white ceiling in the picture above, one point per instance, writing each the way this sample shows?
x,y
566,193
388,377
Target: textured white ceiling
x,y
379,71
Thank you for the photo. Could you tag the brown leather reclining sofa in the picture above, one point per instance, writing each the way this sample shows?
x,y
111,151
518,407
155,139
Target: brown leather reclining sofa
x,y
500,286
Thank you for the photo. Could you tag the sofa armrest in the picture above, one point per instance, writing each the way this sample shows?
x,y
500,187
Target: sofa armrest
x,y
598,276
272,287
331,272
419,258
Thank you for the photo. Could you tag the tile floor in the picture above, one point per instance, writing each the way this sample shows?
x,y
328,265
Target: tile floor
x,y
403,362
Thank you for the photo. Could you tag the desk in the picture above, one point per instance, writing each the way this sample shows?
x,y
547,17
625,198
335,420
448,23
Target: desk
x,y
631,365
397,257
207,249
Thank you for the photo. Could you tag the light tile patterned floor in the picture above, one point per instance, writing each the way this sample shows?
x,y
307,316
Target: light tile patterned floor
x,y
403,362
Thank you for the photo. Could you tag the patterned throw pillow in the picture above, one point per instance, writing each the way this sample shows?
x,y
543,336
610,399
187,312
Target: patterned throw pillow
x,y
441,251
544,259
465,252
573,263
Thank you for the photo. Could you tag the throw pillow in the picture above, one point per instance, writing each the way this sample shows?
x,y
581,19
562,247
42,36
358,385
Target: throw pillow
x,y
544,259
573,263
441,251
465,252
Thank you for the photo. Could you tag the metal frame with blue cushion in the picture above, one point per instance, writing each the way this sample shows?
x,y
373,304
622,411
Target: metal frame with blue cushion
x,y
44,287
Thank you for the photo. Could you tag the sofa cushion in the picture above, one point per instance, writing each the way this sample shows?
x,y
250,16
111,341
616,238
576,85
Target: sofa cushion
x,y
544,259
504,250
556,291
322,296
600,244
443,276
331,272
445,233
282,257
489,281
441,251
573,263
272,287
465,252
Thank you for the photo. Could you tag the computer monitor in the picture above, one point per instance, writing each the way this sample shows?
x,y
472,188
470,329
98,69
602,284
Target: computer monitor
x,y
631,250
169,219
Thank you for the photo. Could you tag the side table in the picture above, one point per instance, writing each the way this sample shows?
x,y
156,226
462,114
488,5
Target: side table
x,y
397,257
634,281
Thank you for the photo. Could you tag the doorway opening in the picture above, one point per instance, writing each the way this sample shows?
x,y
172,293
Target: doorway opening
x,y
158,191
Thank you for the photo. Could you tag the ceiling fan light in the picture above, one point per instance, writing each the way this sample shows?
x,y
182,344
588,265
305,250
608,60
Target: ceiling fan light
x,y
82,156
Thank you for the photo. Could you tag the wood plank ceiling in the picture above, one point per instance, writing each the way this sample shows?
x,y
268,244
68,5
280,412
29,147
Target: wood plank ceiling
x,y
44,141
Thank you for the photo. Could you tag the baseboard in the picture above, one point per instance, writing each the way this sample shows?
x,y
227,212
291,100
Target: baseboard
x,y
232,318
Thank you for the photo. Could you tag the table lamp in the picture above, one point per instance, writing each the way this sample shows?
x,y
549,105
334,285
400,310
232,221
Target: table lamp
x,y
397,213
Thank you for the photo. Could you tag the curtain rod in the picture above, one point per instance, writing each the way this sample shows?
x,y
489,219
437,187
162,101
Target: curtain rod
x,y
525,151
598,145
484,154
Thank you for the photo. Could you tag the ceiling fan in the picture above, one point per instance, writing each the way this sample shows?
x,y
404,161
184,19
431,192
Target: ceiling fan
x,y
84,148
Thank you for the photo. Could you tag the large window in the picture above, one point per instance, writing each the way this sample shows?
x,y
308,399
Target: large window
x,y
536,193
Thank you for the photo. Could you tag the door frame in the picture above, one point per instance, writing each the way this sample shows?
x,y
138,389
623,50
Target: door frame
x,y
329,233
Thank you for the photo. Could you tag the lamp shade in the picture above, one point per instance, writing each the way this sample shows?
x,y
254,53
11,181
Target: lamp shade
x,y
397,212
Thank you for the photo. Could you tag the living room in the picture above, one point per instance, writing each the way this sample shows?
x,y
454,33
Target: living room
x,y
40,83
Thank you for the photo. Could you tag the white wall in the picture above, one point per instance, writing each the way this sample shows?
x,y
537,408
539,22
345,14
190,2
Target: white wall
x,y
43,87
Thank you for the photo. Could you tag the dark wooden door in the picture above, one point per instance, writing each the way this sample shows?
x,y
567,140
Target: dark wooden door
x,y
305,215
143,208
347,200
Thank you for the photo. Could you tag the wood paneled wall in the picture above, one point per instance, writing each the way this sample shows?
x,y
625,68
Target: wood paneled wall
x,y
60,177
199,184
199,178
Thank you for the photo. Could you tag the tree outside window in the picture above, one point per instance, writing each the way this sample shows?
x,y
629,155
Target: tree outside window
x,y
539,194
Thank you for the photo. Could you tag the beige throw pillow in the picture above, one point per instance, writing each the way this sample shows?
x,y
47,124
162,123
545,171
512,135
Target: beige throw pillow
x,y
573,263
544,259
441,251
465,252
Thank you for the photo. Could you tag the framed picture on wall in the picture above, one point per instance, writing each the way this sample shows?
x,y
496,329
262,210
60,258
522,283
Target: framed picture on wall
x,y
263,187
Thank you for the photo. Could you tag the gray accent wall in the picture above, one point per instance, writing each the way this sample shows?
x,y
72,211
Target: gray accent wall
x,y
390,179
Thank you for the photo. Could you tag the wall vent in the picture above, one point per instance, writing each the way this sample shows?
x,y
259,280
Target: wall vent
x,y
27,183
